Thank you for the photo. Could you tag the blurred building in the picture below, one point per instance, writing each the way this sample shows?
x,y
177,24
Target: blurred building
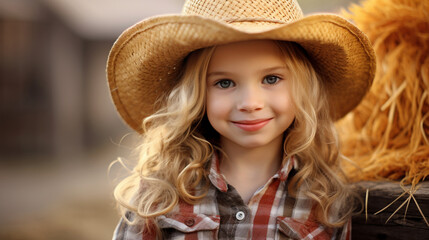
x,y
53,92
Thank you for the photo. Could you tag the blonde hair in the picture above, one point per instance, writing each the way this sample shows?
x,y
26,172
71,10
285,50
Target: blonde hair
x,y
313,140
173,155
178,143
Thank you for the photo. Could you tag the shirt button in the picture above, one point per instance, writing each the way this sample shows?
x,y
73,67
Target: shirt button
x,y
190,222
240,215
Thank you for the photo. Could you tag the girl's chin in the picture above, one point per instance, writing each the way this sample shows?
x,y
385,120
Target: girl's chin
x,y
252,144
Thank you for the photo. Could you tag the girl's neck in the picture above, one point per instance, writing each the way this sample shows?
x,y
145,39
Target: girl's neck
x,y
247,169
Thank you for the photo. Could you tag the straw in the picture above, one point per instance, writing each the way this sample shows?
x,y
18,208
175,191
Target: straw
x,y
386,136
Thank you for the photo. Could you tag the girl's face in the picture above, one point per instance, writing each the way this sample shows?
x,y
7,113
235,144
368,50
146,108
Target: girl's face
x,y
249,97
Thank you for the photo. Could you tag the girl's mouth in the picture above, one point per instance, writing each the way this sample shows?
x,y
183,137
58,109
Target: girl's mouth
x,y
252,125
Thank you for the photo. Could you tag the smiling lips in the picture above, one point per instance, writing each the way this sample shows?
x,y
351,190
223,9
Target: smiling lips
x,y
252,125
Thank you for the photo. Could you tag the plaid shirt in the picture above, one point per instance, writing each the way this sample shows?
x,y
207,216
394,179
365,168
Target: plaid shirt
x,y
270,214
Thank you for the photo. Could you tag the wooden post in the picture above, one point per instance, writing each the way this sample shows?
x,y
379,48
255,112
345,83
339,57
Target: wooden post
x,y
401,225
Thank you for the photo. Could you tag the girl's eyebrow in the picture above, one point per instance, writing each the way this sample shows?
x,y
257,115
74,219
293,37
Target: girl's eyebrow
x,y
222,73
274,68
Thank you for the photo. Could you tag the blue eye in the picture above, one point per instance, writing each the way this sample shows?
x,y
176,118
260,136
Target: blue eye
x,y
271,79
225,83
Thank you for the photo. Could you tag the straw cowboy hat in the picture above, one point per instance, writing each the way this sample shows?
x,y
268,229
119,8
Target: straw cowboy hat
x,y
146,58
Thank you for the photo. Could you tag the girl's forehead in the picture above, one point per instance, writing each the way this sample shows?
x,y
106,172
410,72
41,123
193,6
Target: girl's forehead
x,y
263,51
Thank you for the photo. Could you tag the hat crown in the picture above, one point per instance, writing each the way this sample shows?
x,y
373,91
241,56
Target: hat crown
x,y
281,11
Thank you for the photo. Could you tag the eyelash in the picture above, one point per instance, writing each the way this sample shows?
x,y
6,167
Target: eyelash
x,y
218,83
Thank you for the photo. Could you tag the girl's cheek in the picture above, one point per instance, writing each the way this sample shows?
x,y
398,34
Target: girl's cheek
x,y
217,103
221,105
282,101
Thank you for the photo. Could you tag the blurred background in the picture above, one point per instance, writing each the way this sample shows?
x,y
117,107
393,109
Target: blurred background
x,y
59,130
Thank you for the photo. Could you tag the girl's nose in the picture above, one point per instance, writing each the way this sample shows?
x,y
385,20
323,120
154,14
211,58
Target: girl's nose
x,y
250,99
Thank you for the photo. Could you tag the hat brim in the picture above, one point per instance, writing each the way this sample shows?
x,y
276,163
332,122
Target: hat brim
x,y
145,60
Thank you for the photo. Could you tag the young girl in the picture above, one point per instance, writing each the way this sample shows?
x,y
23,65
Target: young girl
x,y
235,101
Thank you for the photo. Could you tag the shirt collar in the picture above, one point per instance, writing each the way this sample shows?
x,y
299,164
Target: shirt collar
x,y
219,181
